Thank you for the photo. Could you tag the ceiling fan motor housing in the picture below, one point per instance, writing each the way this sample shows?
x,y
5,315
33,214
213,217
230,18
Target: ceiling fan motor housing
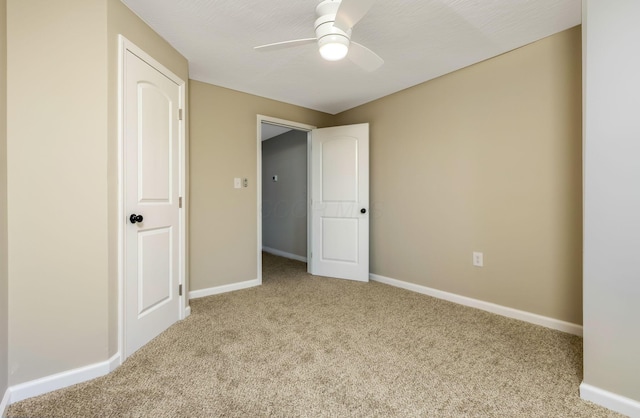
x,y
326,33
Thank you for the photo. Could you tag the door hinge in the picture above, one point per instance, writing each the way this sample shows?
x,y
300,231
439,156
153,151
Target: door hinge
x,y
179,290
179,114
180,202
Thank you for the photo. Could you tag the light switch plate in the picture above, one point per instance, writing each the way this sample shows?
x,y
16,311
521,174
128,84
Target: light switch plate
x,y
237,183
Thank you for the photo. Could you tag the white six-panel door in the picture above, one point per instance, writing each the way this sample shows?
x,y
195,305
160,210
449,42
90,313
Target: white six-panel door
x,y
151,190
340,202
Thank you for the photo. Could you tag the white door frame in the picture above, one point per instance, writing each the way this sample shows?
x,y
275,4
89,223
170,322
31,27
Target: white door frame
x,y
125,45
300,127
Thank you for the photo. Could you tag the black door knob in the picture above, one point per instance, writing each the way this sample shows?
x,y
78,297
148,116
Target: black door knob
x,y
135,218
363,210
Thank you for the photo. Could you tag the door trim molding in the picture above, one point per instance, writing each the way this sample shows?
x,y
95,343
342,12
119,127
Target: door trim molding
x,y
125,45
288,124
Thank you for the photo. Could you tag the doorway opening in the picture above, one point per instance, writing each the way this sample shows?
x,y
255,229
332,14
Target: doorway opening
x,y
282,187
284,192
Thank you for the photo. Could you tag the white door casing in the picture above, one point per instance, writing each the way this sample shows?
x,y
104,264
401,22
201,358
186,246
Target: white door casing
x,y
153,167
340,202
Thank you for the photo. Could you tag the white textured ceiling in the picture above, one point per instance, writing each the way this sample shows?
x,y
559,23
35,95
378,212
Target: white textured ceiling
x,y
418,39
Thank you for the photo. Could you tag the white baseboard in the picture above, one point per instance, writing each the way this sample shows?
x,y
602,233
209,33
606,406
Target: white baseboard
x,y
610,400
552,323
114,362
195,294
187,311
284,254
62,380
5,402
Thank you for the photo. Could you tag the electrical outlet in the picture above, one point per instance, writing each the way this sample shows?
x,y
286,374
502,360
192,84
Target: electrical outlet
x,y
245,182
478,259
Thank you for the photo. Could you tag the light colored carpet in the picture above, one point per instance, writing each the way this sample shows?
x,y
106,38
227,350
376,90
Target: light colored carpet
x,y
307,346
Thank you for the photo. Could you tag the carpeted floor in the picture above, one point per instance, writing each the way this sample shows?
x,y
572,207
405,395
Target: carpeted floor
x,y
306,346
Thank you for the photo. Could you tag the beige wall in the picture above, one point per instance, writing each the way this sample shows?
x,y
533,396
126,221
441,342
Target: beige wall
x,y
223,138
484,159
63,167
57,210
4,313
123,21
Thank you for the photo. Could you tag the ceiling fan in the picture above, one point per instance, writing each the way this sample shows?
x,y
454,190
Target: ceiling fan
x,y
336,18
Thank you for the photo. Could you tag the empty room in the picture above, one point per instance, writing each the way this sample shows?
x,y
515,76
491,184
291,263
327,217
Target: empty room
x,y
442,222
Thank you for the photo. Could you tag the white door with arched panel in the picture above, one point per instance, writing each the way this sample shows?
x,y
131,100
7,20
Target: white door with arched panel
x,y
340,202
152,103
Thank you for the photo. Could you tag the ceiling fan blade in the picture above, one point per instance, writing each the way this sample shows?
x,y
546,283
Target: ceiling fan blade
x,y
285,44
350,12
364,57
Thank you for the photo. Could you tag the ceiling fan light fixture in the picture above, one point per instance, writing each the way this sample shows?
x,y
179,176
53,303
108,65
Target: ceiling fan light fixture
x,y
333,51
333,27
333,47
